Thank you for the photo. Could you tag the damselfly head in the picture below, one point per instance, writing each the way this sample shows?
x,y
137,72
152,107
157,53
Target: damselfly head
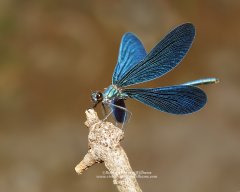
x,y
96,97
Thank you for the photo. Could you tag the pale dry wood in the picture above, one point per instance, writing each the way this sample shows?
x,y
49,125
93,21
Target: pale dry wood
x,y
104,146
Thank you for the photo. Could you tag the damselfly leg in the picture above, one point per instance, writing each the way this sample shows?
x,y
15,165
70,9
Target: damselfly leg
x,y
115,110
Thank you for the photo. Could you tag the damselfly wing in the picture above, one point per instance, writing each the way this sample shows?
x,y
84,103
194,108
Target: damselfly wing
x,y
135,66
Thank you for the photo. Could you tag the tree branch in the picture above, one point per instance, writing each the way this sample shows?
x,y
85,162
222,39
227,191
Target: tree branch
x,y
104,146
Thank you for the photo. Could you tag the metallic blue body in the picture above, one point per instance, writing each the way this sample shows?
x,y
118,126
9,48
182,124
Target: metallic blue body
x,y
113,92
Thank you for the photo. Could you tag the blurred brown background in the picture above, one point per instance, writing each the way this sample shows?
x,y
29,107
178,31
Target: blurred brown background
x,y
53,53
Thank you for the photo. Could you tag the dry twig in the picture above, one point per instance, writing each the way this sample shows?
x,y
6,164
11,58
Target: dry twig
x,y
104,146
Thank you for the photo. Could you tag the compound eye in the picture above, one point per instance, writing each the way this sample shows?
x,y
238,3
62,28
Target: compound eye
x,y
99,96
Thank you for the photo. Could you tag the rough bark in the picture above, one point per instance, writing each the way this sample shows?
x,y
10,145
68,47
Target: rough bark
x,y
104,146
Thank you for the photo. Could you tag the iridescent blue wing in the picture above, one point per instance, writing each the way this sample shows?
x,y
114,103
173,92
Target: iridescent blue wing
x,y
179,99
163,57
118,112
131,52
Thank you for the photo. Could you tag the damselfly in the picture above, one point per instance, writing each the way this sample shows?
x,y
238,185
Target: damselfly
x,y
135,66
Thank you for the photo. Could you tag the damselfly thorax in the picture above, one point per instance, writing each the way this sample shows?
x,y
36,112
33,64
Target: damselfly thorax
x,y
113,92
